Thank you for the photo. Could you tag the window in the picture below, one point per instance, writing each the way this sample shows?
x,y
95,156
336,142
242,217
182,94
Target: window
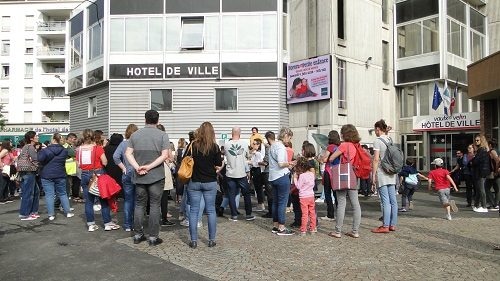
x,y
285,32
5,47
342,94
161,100
76,50
384,11
28,95
5,23
476,21
385,62
211,33
28,46
117,35
408,102
456,10
28,117
426,91
464,101
4,95
456,38
418,38
245,32
430,36
173,33
29,22
340,19
136,34
226,99
95,41
477,46
53,92
192,33
5,71
92,107
28,70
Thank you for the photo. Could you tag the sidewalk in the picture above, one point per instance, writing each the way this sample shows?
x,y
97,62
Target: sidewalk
x,y
424,247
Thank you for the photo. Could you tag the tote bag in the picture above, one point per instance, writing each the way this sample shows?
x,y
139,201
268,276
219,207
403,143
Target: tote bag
x,y
186,169
343,176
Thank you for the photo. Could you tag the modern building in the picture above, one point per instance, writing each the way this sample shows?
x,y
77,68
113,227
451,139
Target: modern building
x,y
357,36
192,60
32,58
435,41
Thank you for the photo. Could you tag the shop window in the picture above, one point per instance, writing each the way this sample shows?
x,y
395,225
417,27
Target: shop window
x,y
161,99
92,107
192,33
226,99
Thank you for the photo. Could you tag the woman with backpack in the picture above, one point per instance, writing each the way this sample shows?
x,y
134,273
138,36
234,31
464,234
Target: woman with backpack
x,y
333,144
409,179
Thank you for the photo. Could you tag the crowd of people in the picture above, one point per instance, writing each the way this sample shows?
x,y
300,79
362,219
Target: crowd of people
x,y
144,165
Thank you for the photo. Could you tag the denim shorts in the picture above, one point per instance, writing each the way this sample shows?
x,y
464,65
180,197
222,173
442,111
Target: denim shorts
x,y
444,195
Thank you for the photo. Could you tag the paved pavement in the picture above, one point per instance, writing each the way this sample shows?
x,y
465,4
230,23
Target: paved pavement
x,y
424,247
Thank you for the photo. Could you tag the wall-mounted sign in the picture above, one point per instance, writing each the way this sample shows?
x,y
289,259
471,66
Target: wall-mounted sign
x,y
309,80
192,70
135,71
44,129
458,121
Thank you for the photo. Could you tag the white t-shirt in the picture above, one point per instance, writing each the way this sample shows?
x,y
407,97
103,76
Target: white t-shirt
x,y
383,178
236,152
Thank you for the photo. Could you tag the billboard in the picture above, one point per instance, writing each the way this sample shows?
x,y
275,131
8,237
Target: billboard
x,y
309,80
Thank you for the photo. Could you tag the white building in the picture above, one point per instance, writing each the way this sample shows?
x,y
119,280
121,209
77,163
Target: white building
x,y
32,58
192,60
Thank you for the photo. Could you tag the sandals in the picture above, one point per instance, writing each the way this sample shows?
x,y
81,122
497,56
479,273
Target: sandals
x,y
352,234
334,234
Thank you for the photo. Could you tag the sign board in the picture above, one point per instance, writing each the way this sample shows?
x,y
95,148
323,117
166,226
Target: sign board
x,y
223,136
309,80
458,121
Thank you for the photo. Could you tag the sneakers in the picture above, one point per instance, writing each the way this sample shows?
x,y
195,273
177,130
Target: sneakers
x,y
274,230
200,224
166,222
259,208
111,226
51,218
411,205
185,222
480,210
453,206
138,239
285,232
319,200
381,229
36,216
326,218
493,208
93,227
233,218
155,242
392,228
250,218
313,231
448,217
71,209
302,233
27,218
289,209
403,210
70,215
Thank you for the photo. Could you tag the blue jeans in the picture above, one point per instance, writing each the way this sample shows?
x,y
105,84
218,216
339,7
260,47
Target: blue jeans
x,y
225,201
207,191
90,198
234,185
281,190
186,205
30,195
129,200
53,187
389,204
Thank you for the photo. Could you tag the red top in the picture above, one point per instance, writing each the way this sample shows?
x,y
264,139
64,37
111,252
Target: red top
x,y
8,159
89,158
439,177
289,154
347,149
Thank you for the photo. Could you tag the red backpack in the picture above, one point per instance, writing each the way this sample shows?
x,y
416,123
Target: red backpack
x,y
362,162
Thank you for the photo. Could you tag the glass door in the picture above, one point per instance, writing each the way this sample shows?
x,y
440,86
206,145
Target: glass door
x,y
414,150
445,146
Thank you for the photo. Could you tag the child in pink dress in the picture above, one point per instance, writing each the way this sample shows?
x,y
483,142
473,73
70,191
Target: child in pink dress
x,y
304,181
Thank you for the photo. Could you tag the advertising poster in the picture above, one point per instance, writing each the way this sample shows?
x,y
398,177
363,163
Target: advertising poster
x,y
309,80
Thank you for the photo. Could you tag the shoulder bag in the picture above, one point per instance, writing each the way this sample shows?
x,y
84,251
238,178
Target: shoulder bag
x,y
343,176
93,183
24,161
186,169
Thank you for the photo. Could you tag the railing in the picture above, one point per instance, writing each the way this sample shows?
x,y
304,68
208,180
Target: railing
x,y
52,26
51,51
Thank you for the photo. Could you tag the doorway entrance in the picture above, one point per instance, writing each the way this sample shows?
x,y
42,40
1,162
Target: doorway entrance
x,y
444,146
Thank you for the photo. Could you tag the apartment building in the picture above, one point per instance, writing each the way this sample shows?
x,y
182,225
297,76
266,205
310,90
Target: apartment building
x,y
32,59
435,42
213,60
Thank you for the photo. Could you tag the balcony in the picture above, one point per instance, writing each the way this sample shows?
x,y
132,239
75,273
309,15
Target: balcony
x,y
52,80
51,53
50,26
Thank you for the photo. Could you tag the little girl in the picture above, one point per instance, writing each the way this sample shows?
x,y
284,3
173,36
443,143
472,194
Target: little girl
x,y
304,181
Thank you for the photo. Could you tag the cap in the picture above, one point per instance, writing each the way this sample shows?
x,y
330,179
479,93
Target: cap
x,y
438,162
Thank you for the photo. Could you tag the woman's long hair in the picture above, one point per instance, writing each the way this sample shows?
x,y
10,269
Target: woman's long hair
x,y
205,138
350,133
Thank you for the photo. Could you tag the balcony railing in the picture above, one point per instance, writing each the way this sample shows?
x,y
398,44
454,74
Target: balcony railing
x,y
51,51
52,26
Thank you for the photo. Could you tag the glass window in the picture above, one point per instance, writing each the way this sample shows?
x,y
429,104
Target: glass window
x,y
456,38
464,101
430,35
28,116
269,32
29,22
136,35
456,10
285,32
385,62
92,107
4,96
410,40
155,34
117,35
249,32
28,70
477,46
95,41
226,99
192,33
425,91
28,95
384,11
342,94
476,21
5,48
474,106
229,32
5,23
408,102
76,50
161,100
5,71
415,9
212,33
28,43
340,19
173,33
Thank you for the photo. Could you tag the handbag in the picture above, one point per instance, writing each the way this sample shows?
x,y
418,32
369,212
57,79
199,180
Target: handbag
x,y
24,161
93,185
411,179
343,176
186,169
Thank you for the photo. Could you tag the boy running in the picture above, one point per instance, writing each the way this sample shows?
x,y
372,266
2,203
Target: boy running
x,y
442,186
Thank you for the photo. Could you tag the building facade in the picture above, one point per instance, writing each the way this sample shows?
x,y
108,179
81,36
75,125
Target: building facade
x,y
193,61
435,41
32,58
357,35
